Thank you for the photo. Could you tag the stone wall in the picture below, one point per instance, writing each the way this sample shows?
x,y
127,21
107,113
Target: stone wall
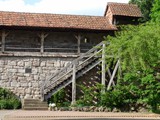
x,y
24,75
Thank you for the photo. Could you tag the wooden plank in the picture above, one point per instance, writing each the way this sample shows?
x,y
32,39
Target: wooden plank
x,y
74,84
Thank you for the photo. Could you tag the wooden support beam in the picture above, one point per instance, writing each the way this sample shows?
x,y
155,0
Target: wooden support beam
x,y
110,75
74,84
78,37
42,37
113,75
4,35
103,77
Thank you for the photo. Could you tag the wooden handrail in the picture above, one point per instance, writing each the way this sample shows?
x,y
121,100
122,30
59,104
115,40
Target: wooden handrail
x,y
69,68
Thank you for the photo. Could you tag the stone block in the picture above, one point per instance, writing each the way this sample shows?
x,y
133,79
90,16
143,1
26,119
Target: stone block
x,y
20,78
49,65
24,84
27,75
12,63
2,62
43,64
28,91
35,84
27,64
21,70
12,70
36,63
34,71
37,96
36,77
1,70
28,96
4,77
20,63
18,84
30,84
8,66
14,84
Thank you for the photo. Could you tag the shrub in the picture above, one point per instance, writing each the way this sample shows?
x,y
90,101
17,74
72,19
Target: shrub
x,y
59,99
8,100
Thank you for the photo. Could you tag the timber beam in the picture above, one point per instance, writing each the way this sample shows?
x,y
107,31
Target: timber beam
x,y
3,35
78,37
42,38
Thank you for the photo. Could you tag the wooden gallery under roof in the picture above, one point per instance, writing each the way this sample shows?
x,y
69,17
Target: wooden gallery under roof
x,y
37,49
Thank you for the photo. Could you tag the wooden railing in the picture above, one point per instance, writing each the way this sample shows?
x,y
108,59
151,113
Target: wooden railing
x,y
72,68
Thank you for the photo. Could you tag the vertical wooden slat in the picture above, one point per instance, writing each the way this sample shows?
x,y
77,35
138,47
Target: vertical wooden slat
x,y
74,84
103,68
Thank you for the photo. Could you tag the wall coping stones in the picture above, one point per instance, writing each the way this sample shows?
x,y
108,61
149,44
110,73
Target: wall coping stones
x,y
38,54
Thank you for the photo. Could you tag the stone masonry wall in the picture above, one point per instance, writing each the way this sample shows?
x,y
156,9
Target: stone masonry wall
x,y
24,75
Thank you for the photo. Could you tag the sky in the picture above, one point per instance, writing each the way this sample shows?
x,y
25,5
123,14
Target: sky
x,y
77,7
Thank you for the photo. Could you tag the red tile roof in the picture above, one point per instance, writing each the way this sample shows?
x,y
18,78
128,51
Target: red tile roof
x,y
55,21
124,9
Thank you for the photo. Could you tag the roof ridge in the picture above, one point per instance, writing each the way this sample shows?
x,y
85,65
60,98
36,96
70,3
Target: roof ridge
x,y
121,3
49,14
24,19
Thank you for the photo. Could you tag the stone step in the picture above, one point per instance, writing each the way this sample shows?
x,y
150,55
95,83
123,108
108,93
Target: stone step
x,y
35,108
34,104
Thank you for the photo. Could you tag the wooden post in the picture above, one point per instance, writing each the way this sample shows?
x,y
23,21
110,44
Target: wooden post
x,y
4,34
109,73
42,37
103,68
113,75
74,84
78,37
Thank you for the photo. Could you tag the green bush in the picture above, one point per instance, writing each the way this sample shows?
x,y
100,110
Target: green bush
x,y
59,99
8,100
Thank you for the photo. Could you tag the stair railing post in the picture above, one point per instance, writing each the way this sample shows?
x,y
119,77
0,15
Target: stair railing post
x,y
74,84
42,91
103,77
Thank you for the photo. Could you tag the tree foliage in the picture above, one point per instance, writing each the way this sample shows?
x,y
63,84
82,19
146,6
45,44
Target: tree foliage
x,y
138,48
156,11
145,6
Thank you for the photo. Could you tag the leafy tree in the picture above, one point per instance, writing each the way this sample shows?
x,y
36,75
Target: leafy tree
x,y
145,6
138,48
156,11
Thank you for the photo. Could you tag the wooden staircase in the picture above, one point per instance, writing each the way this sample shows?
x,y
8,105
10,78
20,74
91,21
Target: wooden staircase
x,y
72,71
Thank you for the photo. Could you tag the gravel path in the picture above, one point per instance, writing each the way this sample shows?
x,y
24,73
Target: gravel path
x,y
59,115
6,112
